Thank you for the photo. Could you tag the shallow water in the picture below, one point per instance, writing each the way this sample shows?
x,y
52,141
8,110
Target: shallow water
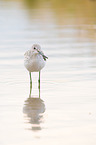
x,y
66,111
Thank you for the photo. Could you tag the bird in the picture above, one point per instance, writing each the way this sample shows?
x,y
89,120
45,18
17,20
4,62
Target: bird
x,y
34,61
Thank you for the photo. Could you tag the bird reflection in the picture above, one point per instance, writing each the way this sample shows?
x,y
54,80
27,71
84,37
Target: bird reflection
x,y
34,109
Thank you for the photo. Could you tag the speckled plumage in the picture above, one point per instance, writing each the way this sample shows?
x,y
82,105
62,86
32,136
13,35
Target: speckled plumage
x,y
34,59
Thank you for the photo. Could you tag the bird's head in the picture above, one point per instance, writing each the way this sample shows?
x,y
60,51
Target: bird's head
x,y
36,48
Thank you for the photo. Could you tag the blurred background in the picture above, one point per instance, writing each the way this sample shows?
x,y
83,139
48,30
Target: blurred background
x,y
66,111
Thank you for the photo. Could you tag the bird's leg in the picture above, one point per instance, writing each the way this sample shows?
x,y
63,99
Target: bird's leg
x,y
39,80
39,92
30,83
39,84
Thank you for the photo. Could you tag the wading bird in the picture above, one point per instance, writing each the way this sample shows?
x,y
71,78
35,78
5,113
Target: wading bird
x,y
34,61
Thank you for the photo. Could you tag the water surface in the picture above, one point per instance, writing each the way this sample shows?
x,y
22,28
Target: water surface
x,y
66,111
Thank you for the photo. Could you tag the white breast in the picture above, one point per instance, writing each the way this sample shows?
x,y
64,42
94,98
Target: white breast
x,y
33,62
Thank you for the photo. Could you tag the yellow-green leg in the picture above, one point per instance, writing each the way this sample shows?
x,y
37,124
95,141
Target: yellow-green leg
x,y
30,83
39,84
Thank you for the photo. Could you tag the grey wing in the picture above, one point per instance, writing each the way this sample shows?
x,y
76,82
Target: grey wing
x,y
28,54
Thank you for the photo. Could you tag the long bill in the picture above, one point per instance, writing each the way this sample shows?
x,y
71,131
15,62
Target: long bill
x,y
40,52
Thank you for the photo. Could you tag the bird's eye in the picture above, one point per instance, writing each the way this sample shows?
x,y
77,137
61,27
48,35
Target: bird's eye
x,y
34,48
